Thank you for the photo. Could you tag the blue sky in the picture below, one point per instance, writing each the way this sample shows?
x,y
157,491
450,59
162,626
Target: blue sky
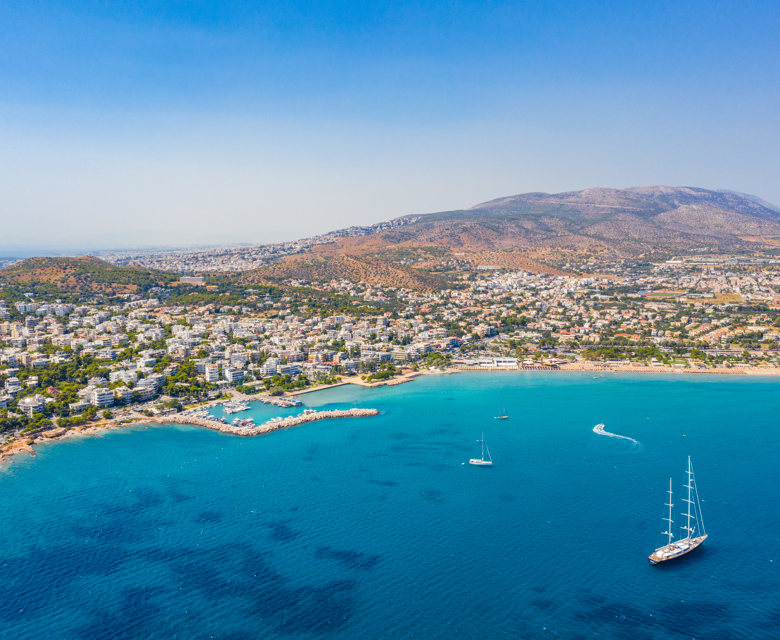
x,y
148,123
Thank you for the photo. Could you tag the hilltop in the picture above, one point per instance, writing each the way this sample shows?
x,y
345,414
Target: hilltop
x,y
529,229
356,268
82,275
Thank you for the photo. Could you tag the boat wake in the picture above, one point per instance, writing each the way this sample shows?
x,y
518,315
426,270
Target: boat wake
x,y
599,428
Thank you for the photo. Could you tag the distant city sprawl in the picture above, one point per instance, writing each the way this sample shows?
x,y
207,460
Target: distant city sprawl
x,y
234,259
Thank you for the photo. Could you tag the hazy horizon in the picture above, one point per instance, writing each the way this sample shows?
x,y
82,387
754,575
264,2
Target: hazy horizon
x,y
97,246
202,123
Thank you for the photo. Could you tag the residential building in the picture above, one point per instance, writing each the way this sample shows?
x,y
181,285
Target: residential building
x,y
101,397
233,376
31,404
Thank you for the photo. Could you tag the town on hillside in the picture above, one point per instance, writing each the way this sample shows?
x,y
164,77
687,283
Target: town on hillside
x,y
66,363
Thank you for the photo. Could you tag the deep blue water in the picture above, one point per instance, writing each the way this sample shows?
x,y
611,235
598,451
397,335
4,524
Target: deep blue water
x,y
373,528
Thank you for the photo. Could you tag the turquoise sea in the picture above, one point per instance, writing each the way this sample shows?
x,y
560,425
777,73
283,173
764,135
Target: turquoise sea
x,y
373,527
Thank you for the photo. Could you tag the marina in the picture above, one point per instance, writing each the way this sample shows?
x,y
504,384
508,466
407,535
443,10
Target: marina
x,y
230,407
235,407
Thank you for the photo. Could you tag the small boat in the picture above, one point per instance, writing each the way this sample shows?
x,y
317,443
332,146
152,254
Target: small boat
x,y
676,548
481,461
502,416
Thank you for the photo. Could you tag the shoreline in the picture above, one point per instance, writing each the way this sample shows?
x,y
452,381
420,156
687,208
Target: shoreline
x,y
10,449
358,382
629,368
179,419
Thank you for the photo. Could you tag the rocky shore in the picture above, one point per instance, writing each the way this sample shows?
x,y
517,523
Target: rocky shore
x,y
266,427
19,446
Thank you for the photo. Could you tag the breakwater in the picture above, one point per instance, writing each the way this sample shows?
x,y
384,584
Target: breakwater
x,y
266,427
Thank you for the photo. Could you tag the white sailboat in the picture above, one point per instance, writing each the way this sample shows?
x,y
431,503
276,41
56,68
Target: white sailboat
x,y
481,461
676,548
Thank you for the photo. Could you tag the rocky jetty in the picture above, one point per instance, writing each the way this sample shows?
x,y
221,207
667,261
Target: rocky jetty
x,y
266,427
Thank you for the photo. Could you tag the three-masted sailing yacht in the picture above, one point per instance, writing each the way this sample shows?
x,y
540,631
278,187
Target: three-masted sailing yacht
x,y
481,461
676,548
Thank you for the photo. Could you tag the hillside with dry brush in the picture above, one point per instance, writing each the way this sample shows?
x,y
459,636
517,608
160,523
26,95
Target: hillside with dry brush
x,y
540,227
356,268
82,275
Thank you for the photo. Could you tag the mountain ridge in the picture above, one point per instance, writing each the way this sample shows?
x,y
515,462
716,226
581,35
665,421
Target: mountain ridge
x,y
536,231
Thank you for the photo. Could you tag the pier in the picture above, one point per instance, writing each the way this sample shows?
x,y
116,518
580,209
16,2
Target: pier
x,y
272,425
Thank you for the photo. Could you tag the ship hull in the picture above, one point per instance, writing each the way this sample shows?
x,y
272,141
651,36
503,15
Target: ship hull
x,y
481,463
675,550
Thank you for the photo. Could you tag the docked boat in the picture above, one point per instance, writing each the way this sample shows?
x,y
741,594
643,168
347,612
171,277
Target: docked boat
x,y
481,461
693,528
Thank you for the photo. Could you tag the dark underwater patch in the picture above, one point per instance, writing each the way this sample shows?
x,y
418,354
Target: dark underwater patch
x,y
444,430
117,531
140,500
209,517
312,449
282,532
135,617
348,559
320,609
30,582
433,495
239,573
617,614
384,483
634,634
179,497
543,604
694,617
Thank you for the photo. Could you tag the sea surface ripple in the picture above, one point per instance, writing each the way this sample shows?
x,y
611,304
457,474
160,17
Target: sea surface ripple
x,y
374,528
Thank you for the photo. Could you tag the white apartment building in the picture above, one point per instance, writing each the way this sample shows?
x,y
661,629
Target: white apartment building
x,y
124,393
233,376
101,397
212,372
31,404
124,375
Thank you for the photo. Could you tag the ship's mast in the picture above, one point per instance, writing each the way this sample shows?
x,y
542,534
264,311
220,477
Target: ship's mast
x,y
689,486
699,516
669,533
483,446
